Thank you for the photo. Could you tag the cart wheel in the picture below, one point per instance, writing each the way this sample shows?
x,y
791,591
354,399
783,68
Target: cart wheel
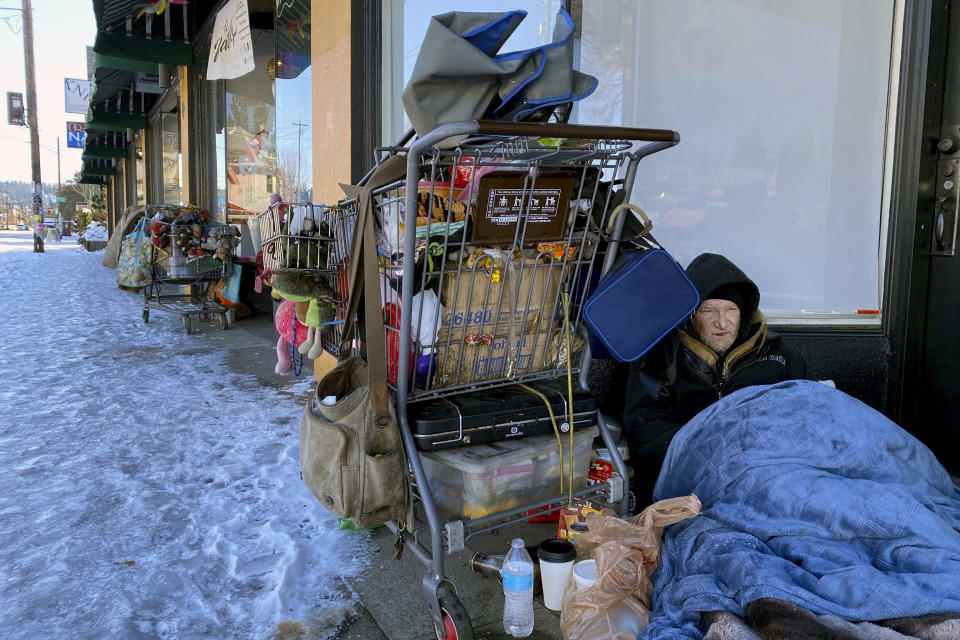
x,y
146,316
187,325
456,622
222,321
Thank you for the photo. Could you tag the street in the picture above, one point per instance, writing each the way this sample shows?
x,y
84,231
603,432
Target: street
x,y
150,490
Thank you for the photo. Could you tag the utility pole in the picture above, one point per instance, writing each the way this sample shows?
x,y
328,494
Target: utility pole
x,y
32,122
300,127
59,188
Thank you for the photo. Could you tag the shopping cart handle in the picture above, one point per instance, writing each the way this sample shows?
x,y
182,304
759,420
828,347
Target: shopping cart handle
x,y
556,130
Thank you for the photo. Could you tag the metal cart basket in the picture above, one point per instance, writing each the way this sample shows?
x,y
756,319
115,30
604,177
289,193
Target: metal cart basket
x,y
308,237
487,249
182,278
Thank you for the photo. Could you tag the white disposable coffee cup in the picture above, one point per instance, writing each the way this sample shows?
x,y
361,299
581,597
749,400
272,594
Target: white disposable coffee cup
x,y
585,573
556,563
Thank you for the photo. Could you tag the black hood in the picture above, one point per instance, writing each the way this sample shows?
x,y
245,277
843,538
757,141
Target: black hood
x,y
710,271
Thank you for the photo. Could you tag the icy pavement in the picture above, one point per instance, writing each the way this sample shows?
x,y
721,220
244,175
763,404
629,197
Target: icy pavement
x,y
148,491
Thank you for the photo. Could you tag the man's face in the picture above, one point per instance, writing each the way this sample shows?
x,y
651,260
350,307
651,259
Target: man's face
x,y
717,322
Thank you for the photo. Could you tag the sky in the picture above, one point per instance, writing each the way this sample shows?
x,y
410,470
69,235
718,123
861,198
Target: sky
x,y
62,29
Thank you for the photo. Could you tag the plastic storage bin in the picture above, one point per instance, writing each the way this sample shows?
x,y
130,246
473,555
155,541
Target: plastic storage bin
x,y
477,480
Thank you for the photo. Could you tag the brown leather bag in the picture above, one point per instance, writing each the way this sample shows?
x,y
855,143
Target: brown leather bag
x,y
351,452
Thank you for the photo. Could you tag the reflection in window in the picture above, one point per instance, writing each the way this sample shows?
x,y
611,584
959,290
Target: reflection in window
x,y
120,184
170,158
220,143
250,147
290,68
141,170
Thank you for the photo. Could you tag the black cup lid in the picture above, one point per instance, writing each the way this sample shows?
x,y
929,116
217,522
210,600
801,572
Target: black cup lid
x,y
556,551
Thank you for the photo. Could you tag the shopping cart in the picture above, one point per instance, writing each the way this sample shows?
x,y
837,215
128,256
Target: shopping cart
x,y
487,249
183,272
309,238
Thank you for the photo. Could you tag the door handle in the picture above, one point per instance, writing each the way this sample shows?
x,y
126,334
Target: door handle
x,y
938,230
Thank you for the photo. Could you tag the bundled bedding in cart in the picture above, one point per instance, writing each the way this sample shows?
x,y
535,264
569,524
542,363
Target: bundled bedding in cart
x,y
816,510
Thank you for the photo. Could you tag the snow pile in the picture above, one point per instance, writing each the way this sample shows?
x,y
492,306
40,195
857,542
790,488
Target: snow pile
x,y
94,232
149,490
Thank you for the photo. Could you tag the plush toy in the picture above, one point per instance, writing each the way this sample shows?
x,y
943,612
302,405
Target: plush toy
x,y
190,216
182,237
197,237
227,241
315,293
307,249
210,242
159,232
309,229
290,330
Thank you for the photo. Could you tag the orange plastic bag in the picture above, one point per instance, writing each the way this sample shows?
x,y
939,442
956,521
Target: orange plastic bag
x,y
617,605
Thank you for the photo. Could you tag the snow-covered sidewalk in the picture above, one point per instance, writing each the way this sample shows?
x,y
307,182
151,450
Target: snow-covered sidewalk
x,y
148,491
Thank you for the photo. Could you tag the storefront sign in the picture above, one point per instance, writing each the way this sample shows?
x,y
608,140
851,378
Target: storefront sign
x,y
76,134
15,111
231,48
76,95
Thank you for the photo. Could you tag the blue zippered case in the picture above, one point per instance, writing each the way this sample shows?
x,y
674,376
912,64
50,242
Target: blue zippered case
x,y
634,307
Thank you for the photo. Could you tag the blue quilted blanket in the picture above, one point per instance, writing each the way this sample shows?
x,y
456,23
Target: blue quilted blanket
x,y
808,496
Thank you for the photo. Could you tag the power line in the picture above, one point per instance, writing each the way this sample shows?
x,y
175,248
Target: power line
x,y
42,146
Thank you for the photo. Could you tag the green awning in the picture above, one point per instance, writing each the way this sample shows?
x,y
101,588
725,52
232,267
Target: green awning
x,y
113,121
108,82
139,48
103,153
123,63
88,179
97,168
98,171
132,31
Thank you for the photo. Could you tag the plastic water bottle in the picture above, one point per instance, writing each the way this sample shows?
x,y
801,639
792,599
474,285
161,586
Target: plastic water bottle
x,y
517,575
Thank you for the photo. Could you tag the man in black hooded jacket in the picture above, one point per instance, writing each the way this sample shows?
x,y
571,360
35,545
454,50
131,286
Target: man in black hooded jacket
x,y
724,346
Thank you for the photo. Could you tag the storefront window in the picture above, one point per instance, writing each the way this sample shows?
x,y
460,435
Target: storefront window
x,y
170,158
141,187
120,180
785,112
290,68
220,143
250,144
782,112
536,29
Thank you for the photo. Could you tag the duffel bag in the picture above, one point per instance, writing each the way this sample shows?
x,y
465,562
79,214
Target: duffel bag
x,y
642,298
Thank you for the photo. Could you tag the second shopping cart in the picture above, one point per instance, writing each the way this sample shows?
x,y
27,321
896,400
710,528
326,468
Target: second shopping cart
x,y
188,254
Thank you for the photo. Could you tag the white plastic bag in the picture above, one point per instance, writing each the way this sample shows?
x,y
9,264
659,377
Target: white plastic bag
x,y
391,238
427,312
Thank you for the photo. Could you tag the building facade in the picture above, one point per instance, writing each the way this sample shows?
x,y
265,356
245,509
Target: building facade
x,y
819,145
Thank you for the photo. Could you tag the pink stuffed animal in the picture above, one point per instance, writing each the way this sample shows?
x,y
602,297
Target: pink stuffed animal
x,y
287,324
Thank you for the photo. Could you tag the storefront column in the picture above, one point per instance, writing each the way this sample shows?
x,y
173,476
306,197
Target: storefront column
x,y
330,54
108,203
187,160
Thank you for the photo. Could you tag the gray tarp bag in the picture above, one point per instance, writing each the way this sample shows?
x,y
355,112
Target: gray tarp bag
x,y
459,76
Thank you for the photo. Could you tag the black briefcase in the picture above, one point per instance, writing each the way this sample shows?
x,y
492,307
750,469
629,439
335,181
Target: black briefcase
x,y
498,414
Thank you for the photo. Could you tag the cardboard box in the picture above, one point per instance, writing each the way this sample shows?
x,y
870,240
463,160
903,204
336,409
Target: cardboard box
x,y
536,351
481,302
